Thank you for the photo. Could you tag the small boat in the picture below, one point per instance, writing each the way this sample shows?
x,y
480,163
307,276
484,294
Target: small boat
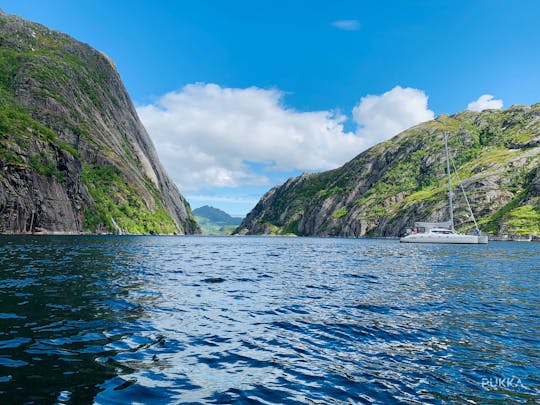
x,y
444,232
440,232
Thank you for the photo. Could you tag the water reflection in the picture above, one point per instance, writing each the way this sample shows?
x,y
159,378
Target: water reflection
x,y
66,310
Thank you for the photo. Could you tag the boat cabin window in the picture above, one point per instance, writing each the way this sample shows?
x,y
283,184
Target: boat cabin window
x,y
421,229
443,231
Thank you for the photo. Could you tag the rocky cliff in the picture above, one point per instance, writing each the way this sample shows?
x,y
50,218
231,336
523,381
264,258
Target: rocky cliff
x,y
74,156
390,186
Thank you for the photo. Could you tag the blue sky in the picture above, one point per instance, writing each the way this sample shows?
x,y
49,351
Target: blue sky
x,y
240,95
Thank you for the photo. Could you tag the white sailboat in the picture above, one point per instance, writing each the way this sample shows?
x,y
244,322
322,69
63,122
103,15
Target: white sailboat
x,y
444,232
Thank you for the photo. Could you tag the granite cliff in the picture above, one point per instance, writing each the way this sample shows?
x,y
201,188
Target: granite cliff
x,y
74,156
387,188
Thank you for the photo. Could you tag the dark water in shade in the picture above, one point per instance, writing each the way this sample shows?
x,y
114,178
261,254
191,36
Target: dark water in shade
x,y
159,320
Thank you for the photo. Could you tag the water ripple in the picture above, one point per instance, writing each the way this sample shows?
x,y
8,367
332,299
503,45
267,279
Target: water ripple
x,y
115,320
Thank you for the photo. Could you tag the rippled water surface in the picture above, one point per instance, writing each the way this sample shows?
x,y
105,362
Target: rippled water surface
x,y
116,320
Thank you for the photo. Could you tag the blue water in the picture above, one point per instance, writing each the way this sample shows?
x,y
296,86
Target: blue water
x,y
160,320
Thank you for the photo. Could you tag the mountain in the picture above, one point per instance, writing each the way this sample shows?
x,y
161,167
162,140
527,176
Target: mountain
x,y
74,155
390,186
216,215
214,221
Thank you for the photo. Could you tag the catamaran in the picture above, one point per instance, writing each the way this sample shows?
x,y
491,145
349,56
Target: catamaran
x,y
444,232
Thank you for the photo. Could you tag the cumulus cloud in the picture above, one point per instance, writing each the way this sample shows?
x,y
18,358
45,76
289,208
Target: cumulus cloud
x,y
205,134
347,25
379,117
221,198
484,102
210,136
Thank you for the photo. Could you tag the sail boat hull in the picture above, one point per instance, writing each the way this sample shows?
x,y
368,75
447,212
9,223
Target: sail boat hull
x,y
448,238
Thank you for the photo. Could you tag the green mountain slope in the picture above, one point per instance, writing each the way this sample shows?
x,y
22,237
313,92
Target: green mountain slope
x,y
390,186
214,221
73,153
216,215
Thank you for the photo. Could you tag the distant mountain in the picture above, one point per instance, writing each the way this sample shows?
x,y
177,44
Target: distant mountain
x,y
214,221
217,216
395,183
74,156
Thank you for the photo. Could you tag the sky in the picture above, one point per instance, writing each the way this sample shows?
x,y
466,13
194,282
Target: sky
x,y
238,96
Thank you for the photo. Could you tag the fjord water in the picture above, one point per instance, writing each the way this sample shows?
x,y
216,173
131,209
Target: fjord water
x,y
116,320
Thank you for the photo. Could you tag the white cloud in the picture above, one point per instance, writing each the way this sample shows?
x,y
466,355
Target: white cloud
x,y
484,102
347,25
381,117
205,134
221,198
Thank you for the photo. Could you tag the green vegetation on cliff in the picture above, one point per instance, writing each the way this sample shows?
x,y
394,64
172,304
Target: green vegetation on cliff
x,y
117,204
74,155
388,187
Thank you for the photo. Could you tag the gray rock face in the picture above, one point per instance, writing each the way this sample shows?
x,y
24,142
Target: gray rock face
x,y
30,202
74,155
390,186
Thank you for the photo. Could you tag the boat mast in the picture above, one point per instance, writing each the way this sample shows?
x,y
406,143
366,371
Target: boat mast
x,y
449,182
466,200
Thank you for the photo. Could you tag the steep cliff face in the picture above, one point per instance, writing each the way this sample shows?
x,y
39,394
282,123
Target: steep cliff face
x,y
74,155
390,186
